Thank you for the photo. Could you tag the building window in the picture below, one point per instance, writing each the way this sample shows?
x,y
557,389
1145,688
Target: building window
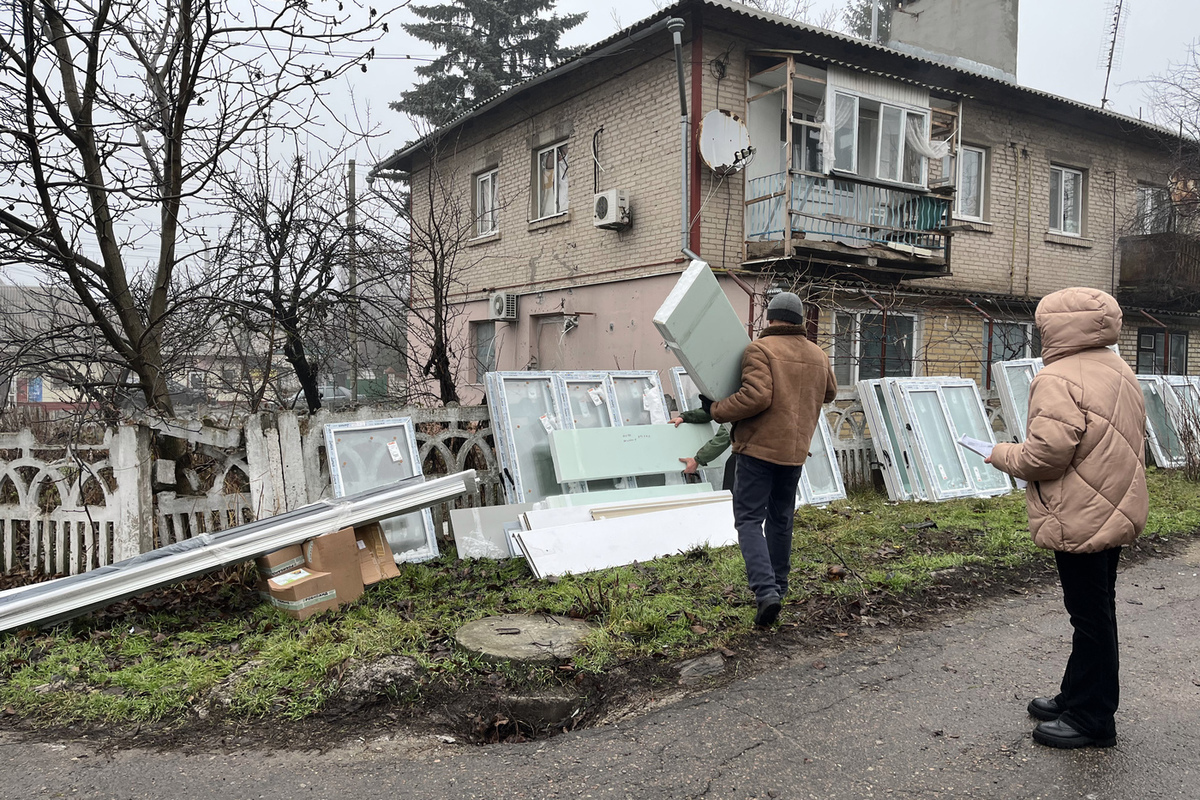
x,y
877,140
196,380
1066,201
1162,352
487,205
1153,210
1009,341
872,345
972,165
483,345
552,180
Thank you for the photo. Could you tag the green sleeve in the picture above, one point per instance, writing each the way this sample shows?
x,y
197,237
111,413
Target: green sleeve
x,y
713,448
695,416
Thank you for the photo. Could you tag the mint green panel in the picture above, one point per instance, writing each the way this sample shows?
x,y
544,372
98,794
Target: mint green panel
x,y
597,453
704,331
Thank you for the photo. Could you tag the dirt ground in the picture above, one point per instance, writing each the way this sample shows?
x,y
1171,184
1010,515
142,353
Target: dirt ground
x,y
478,715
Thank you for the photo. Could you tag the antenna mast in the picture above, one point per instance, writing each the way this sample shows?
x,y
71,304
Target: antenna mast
x,y
1110,55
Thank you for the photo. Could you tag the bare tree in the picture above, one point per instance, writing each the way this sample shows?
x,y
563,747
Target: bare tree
x,y
117,117
1175,105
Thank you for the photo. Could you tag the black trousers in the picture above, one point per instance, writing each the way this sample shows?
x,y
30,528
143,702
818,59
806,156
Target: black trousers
x,y
764,513
1090,689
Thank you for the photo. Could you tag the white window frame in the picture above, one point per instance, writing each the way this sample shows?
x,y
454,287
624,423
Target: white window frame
x,y
537,180
981,189
856,341
1056,225
905,113
487,211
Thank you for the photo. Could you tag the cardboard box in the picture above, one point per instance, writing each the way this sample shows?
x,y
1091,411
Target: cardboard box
x,y
281,561
337,554
302,593
375,560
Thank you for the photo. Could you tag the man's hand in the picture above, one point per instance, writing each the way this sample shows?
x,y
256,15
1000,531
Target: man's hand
x,y
676,421
706,404
987,459
690,466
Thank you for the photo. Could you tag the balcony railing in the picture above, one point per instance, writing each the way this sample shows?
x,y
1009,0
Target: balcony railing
x,y
847,211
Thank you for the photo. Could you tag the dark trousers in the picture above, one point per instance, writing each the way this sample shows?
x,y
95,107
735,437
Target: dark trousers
x,y
1090,688
764,509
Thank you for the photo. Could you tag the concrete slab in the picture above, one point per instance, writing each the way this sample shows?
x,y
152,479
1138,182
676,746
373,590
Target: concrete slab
x,y
523,638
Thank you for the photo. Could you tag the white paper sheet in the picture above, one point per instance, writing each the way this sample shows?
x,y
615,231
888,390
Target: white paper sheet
x,y
984,449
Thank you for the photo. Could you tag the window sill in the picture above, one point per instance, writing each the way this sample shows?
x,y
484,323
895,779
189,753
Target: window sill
x,y
1069,240
547,222
485,239
962,224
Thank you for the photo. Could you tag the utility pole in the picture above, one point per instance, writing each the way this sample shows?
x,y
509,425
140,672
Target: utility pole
x,y
352,268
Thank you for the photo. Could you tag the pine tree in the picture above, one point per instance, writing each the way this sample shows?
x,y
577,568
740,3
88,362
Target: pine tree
x,y
489,46
857,15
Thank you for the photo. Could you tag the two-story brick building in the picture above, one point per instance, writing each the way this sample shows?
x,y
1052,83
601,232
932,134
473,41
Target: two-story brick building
x,y
922,206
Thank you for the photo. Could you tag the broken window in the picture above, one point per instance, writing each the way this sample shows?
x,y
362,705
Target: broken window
x,y
552,180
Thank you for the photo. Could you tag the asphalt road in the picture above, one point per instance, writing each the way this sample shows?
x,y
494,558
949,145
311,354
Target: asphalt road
x,y
933,713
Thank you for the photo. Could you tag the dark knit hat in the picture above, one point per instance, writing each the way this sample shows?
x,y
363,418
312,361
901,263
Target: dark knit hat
x,y
786,307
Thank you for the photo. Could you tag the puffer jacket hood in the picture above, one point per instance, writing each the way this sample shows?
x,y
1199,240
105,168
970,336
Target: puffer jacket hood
x,y
1076,319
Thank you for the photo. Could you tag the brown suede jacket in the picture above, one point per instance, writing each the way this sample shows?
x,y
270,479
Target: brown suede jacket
x,y
785,381
1083,455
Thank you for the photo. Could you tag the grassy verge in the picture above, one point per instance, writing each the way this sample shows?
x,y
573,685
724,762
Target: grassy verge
x,y
210,643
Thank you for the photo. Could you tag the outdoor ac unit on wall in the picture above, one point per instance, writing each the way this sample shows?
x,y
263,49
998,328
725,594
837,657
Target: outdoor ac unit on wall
x,y
610,210
502,306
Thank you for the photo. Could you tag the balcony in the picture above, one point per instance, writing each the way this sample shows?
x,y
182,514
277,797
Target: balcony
x,y
1160,271
840,220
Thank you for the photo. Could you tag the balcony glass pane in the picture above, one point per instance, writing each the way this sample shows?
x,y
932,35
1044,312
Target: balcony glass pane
x,y
845,132
890,138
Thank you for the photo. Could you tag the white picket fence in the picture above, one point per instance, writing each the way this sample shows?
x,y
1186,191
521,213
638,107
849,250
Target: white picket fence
x,y
68,509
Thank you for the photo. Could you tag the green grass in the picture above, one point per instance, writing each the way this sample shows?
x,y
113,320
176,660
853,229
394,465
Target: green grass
x,y
253,661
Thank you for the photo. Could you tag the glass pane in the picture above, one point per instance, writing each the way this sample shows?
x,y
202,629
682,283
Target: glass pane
x,y
586,412
897,450
890,133
818,467
360,459
845,131
914,162
967,414
640,401
527,400
1161,430
1056,223
485,349
546,183
1072,191
843,349
887,355
806,152
970,183
868,138
1178,354
561,180
931,425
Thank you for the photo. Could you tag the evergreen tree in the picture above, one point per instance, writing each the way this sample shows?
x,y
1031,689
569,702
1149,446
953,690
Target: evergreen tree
x,y
857,15
489,46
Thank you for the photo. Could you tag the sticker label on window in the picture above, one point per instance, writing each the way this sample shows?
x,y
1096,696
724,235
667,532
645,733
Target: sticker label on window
x,y
547,422
394,451
597,397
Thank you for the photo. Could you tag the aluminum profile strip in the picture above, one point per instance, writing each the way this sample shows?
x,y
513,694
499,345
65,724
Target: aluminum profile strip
x,y
68,597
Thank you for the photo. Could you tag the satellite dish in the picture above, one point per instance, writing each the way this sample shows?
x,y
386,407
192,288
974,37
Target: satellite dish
x,y
724,142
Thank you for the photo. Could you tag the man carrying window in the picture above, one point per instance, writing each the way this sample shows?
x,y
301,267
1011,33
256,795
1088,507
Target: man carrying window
x,y
785,381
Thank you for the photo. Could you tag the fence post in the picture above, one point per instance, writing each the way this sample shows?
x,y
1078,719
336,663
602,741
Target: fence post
x,y
291,451
129,454
263,462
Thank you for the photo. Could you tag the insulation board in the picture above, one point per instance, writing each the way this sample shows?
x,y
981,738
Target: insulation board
x,y
635,493
596,453
702,329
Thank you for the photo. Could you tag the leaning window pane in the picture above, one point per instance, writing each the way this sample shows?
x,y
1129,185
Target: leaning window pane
x,y
968,416
934,429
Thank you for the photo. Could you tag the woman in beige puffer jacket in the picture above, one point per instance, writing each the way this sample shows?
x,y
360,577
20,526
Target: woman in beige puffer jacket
x,y
1083,457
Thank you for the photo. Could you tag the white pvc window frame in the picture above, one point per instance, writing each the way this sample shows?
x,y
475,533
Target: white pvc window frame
x,y
976,193
889,439
550,181
851,120
1161,434
487,202
1063,220
1012,380
363,455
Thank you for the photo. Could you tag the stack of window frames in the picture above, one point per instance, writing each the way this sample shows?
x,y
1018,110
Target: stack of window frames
x,y
1166,401
526,406
915,424
820,481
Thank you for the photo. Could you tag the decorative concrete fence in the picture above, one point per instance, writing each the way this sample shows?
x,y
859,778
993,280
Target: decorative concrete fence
x,y
69,508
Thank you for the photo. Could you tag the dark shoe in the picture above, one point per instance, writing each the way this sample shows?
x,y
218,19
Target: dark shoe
x,y
1057,733
1044,708
768,611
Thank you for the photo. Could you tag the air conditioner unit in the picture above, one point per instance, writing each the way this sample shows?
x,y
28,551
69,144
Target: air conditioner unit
x,y
610,210
502,306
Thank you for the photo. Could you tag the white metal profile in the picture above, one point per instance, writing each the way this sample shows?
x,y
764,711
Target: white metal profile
x,y
68,597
